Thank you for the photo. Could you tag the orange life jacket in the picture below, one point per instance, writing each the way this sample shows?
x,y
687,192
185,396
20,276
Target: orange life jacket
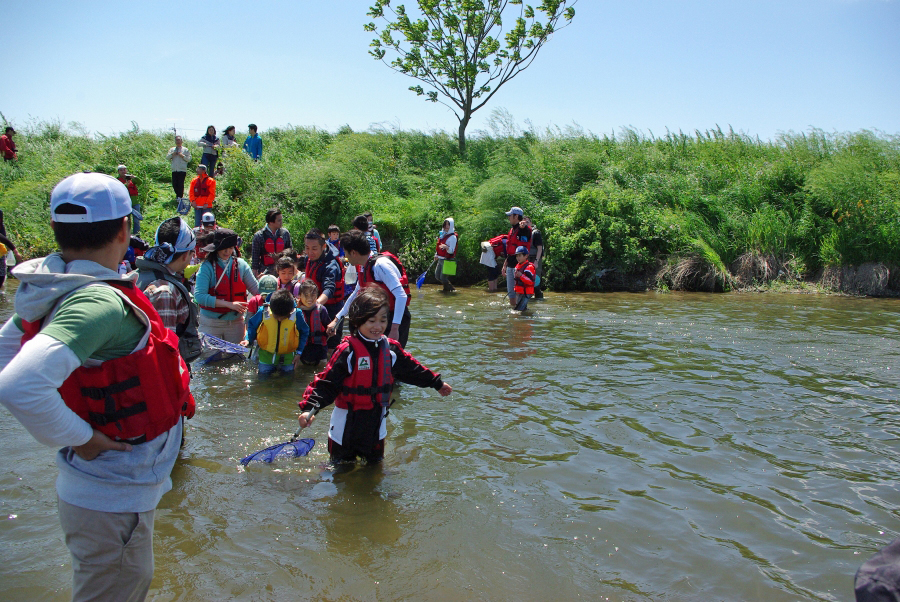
x,y
136,397
525,283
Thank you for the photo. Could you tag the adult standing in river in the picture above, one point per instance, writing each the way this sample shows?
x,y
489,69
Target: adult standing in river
x,y
271,240
519,236
210,143
179,157
224,285
73,307
536,255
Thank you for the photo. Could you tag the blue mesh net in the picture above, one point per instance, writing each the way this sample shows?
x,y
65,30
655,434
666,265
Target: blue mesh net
x,y
289,449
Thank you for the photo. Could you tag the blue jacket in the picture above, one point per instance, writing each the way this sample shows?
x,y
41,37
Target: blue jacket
x,y
253,146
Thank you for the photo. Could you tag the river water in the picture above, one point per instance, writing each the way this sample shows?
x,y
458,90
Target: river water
x,y
606,447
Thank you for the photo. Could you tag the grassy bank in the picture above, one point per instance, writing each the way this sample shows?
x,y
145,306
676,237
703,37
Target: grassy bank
x,y
710,211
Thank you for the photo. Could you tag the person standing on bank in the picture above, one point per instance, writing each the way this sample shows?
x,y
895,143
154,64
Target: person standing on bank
x,y
383,270
519,236
253,144
327,271
7,146
224,285
209,142
446,251
128,179
81,335
202,194
179,157
268,243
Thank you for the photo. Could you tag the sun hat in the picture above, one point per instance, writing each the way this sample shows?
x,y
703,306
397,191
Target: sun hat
x,y
101,196
208,218
268,284
521,250
515,211
223,238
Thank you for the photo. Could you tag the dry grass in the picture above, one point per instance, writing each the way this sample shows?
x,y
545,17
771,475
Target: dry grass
x,y
752,269
693,274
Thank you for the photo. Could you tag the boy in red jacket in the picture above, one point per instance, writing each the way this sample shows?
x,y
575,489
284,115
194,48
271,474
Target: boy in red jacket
x,y
359,379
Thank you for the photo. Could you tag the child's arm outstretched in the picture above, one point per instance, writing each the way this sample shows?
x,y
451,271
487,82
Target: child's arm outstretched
x,y
408,369
326,386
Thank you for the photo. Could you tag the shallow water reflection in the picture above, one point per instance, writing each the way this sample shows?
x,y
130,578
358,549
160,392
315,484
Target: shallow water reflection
x,y
621,447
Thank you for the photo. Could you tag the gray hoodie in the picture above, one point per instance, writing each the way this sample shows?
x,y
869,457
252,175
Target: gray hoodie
x,y
114,481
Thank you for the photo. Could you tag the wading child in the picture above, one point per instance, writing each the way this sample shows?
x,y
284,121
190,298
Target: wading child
x,y
280,331
446,252
524,277
359,379
268,284
286,268
317,319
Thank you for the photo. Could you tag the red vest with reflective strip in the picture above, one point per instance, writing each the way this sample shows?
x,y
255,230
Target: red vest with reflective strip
x,y
136,397
230,288
271,245
367,276
370,382
442,237
315,271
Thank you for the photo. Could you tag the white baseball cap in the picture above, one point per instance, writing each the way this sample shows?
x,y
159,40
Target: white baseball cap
x,y
208,218
101,196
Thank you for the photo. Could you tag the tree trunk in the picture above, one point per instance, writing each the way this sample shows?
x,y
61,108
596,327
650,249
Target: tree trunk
x,y
462,135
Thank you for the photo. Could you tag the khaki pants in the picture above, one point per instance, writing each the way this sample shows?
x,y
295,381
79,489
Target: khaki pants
x,y
112,552
227,330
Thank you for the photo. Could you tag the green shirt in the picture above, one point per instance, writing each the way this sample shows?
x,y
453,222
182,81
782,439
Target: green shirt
x,y
96,323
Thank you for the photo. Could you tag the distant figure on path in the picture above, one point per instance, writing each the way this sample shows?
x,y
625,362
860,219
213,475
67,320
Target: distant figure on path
x,y
209,142
7,146
253,144
179,157
202,194
128,179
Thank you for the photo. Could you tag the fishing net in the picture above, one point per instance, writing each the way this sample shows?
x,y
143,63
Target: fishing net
x,y
289,449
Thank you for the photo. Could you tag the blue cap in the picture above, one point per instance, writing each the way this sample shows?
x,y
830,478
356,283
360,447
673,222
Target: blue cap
x,y
521,250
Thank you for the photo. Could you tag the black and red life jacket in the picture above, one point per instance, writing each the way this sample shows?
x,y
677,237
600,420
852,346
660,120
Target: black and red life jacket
x,y
317,334
136,397
524,285
371,380
229,287
442,237
272,244
518,237
498,244
315,271
367,276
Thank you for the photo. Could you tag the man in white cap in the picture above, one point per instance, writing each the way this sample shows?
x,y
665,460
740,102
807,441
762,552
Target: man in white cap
x,y
87,365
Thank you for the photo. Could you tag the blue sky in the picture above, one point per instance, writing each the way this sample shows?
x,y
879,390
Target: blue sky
x,y
762,67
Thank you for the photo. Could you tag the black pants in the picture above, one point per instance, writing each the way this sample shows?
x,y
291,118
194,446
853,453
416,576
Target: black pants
x,y
333,309
178,183
404,327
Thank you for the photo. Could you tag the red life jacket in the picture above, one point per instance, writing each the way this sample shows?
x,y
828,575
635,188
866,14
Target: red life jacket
x,y
498,244
370,382
315,271
317,334
367,276
136,397
525,283
442,237
271,245
230,288
517,238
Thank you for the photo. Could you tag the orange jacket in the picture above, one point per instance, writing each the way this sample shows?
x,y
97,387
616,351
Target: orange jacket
x,y
203,191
